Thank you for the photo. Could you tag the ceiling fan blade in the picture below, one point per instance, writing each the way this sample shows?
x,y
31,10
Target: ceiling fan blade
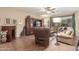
x,y
53,9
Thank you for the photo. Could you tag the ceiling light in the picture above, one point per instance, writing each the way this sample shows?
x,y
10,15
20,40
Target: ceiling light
x,y
48,12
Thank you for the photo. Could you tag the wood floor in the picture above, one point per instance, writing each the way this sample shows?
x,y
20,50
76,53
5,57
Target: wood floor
x,y
28,44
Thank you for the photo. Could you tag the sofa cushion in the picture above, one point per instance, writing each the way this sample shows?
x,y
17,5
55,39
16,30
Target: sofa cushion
x,y
67,33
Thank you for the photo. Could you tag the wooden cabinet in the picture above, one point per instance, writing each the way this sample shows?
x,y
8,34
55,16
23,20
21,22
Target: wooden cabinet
x,y
30,23
10,32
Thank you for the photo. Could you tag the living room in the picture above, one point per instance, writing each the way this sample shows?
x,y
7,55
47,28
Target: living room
x,y
19,23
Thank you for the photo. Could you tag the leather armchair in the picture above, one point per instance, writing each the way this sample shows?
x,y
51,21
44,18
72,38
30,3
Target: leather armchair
x,y
42,36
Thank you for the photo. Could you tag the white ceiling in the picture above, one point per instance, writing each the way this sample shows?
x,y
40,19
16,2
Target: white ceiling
x,y
31,10
60,11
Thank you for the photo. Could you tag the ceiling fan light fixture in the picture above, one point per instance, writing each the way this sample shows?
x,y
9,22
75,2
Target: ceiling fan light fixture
x,y
51,8
48,12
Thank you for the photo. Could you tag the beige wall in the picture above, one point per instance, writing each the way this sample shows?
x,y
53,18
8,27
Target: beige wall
x,y
13,14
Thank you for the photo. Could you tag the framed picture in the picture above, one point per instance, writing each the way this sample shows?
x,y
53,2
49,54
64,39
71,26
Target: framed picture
x,y
7,20
14,21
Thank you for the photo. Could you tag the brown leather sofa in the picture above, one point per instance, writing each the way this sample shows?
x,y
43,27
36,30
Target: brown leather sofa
x,y
42,36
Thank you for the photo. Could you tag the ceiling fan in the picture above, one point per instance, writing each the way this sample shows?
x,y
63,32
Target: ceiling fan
x,y
50,9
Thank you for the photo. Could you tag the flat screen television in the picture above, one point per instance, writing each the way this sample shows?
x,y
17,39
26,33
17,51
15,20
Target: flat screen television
x,y
37,23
